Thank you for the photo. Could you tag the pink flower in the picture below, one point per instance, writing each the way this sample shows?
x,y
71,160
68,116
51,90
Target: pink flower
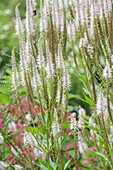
x,y
37,122
14,137
98,166
12,110
9,158
33,111
92,149
51,153
20,125
2,106
1,126
69,117
68,146
24,106
11,114
86,163
24,153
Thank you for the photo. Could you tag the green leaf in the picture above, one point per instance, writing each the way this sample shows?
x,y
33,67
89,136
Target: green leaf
x,y
31,129
70,108
90,127
52,163
71,149
82,78
6,78
64,138
71,96
83,166
4,99
66,165
72,153
23,93
87,117
1,101
5,90
45,164
66,125
42,133
42,148
89,101
7,82
97,154
9,71
41,166
108,127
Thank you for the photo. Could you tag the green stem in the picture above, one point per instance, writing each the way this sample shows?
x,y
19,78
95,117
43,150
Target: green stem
x,y
47,138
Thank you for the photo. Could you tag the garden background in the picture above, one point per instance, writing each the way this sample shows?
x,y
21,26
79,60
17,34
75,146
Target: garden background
x,y
56,84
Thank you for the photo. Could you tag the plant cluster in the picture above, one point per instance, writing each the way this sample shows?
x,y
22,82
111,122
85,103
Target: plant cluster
x,y
37,130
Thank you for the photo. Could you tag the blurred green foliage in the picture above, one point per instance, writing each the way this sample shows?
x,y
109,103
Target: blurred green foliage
x,y
8,39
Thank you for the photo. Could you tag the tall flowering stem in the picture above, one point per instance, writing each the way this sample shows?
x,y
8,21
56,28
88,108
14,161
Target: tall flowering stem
x,y
43,72
73,127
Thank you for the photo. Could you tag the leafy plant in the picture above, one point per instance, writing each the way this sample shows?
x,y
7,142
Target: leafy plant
x,y
38,129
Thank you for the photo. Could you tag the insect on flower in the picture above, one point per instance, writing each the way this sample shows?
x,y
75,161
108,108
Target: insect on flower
x,y
34,12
